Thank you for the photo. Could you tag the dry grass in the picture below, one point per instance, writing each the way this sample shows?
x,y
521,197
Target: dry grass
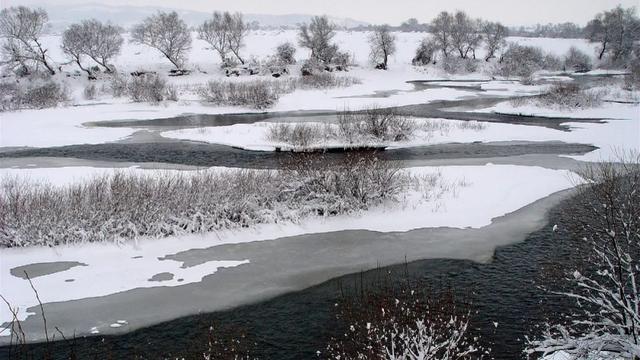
x,y
126,205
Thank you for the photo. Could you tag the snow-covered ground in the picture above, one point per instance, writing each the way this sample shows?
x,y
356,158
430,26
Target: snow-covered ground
x,y
469,196
64,125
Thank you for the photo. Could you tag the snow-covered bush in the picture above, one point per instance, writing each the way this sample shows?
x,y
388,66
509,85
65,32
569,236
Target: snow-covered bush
x,y
605,323
425,53
285,53
324,81
298,135
34,92
570,95
400,320
521,61
369,126
147,88
90,92
381,123
552,62
118,85
577,60
259,94
458,65
126,205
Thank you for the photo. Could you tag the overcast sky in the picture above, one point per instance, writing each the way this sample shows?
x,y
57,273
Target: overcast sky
x,y
387,11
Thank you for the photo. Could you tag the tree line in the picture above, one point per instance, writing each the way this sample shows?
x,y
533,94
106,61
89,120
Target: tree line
x,y
451,34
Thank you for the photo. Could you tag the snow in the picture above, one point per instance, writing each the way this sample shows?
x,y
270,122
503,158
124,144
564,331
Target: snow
x,y
610,137
605,111
474,195
64,125
61,176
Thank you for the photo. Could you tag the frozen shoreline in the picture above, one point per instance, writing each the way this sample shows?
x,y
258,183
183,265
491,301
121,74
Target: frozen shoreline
x,y
310,259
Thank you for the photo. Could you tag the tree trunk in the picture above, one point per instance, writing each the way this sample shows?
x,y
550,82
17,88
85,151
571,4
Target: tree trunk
x,y
386,56
604,48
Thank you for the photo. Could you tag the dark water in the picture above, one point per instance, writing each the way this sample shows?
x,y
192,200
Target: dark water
x,y
296,325
199,154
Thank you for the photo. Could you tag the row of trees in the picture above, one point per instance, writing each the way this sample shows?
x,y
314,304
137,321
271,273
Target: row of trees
x,y
459,33
453,34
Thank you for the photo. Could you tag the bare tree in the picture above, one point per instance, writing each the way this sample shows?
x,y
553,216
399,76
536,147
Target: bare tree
x,y
606,322
213,31
238,31
441,29
465,35
74,43
225,32
22,27
317,37
106,42
167,33
383,44
494,34
98,41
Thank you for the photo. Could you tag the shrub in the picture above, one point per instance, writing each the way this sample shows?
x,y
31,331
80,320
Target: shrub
x,y
577,60
384,124
285,53
118,85
552,62
148,87
569,95
341,60
425,54
298,135
521,61
397,318
126,205
324,81
259,94
90,92
262,94
457,65
32,93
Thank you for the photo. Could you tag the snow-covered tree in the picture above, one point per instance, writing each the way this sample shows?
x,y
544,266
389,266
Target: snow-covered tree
x,y
317,37
465,35
606,321
225,32
616,30
21,27
167,33
74,43
100,42
383,44
105,42
441,29
494,34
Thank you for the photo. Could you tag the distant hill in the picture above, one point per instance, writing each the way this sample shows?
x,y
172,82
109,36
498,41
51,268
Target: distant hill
x,y
61,16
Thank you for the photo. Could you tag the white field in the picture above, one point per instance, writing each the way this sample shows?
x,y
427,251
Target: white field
x,y
476,195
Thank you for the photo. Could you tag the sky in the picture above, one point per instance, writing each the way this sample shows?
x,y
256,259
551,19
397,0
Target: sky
x,y
511,12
